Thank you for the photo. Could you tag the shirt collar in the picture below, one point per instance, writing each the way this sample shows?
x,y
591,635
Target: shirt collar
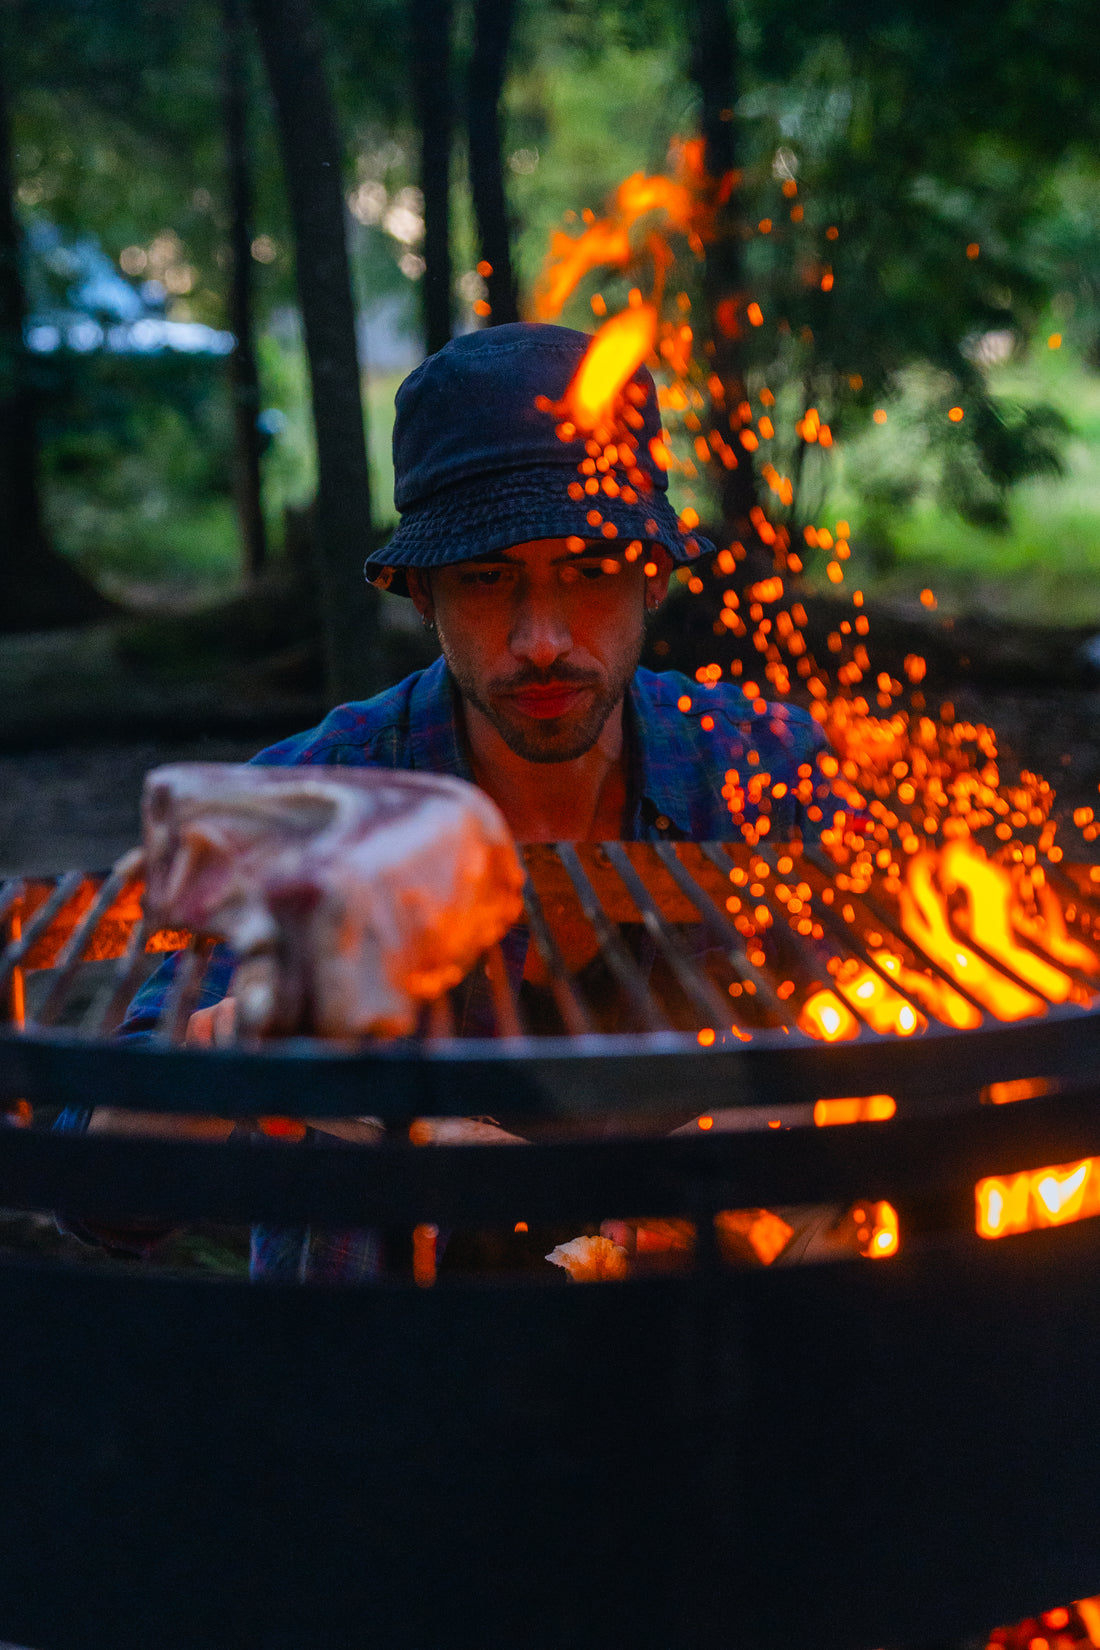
x,y
664,757
434,740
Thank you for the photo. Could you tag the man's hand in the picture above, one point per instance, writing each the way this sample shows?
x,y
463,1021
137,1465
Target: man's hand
x,y
213,1027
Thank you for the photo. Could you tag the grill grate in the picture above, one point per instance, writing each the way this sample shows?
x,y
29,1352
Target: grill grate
x,y
651,997
627,936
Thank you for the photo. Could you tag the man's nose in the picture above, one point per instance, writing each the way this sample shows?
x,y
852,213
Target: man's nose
x,y
540,633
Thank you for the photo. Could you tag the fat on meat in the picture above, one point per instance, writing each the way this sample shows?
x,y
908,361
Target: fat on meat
x,y
349,896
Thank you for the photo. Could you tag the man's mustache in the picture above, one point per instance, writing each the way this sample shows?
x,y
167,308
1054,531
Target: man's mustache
x,y
559,676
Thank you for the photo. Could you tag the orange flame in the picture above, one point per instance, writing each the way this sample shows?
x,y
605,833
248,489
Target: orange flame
x,y
603,244
881,1006
935,995
606,243
989,890
611,359
1037,1198
924,918
885,1236
825,1016
864,1108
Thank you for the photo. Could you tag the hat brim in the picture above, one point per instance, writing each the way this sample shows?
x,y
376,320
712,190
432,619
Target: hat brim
x,y
495,512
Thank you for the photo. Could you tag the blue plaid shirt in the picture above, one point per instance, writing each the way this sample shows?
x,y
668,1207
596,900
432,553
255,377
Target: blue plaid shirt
x,y
704,764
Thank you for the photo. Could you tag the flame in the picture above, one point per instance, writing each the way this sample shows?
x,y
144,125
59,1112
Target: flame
x,y
606,243
989,889
1037,1198
1051,935
825,1016
864,1108
611,359
1017,1088
880,1005
885,1235
936,995
602,245
924,919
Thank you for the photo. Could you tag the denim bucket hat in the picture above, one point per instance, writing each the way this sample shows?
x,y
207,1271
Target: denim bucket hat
x,y
479,465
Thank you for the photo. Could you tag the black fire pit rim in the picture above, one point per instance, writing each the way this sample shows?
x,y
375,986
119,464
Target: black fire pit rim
x,y
661,1073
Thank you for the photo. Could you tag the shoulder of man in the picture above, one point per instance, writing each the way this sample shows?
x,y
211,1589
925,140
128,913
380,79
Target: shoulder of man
x,y
363,733
669,694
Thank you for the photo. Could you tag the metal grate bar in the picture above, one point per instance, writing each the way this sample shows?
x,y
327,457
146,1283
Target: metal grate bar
x,y
721,928
183,992
504,1000
439,1019
622,965
622,888
575,1016
809,961
107,1009
67,886
843,933
890,925
690,977
65,968
10,893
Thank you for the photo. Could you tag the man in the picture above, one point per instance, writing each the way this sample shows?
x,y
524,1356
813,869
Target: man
x,y
538,584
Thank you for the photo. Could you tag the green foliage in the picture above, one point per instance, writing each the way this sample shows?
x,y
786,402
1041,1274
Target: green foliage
x,y
1040,559
135,459
914,131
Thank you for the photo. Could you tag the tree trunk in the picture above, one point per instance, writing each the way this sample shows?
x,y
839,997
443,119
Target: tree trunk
x,y
309,141
430,49
715,72
492,33
244,381
38,588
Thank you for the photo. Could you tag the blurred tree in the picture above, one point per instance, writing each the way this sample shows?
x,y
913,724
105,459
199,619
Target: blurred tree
x,y
243,373
313,157
429,35
715,70
38,588
493,21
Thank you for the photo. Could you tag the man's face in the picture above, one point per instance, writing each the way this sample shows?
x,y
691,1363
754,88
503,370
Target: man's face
x,y
543,641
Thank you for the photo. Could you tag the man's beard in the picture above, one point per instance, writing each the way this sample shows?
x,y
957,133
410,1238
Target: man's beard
x,y
558,738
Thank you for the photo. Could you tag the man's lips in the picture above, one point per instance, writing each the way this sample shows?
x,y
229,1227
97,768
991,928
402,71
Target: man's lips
x,y
546,700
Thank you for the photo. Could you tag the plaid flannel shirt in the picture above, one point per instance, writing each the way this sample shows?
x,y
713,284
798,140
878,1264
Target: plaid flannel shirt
x,y
702,762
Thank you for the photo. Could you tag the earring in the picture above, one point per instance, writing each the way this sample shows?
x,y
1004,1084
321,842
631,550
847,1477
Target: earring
x,y
429,624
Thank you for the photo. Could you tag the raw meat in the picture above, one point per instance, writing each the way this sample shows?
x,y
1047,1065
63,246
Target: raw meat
x,y
349,895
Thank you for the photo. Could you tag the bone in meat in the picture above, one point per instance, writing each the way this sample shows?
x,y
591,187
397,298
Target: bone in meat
x,y
348,895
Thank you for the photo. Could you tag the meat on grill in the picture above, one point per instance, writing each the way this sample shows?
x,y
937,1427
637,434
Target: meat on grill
x,y
349,896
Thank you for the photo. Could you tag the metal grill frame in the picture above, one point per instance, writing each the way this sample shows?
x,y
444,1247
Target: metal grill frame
x,y
751,1459
654,1072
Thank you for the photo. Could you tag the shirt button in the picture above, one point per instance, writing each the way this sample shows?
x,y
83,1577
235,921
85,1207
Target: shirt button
x,y
661,822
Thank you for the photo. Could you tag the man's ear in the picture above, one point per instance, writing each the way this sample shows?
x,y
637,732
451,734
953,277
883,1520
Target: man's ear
x,y
420,590
656,584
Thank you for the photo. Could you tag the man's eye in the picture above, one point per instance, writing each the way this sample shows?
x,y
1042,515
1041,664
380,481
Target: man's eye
x,y
590,571
483,577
